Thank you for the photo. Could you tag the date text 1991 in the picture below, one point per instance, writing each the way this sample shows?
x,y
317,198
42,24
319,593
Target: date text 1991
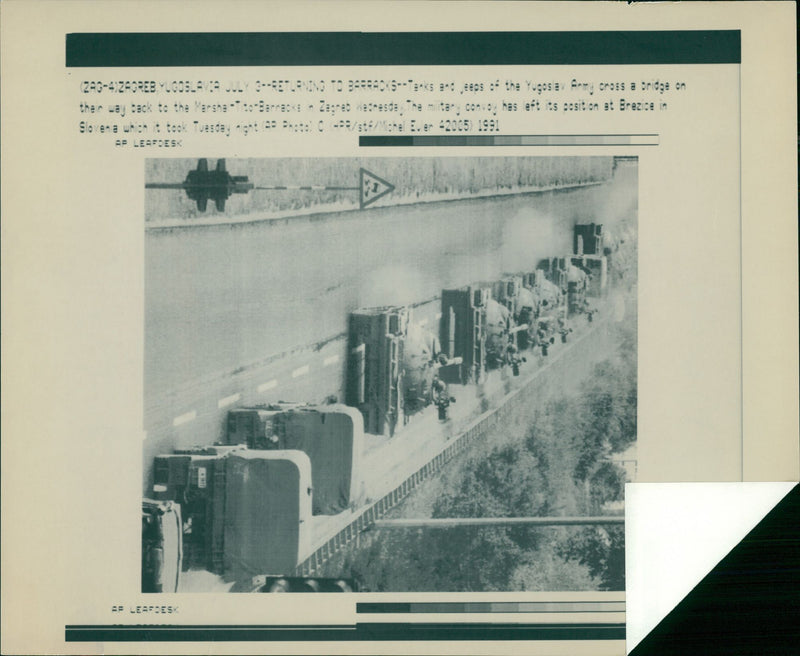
x,y
468,125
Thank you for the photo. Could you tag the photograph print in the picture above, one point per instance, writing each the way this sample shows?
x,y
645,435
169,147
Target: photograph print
x,y
397,374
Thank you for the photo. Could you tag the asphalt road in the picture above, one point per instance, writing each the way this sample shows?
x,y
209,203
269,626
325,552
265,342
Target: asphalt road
x,y
256,312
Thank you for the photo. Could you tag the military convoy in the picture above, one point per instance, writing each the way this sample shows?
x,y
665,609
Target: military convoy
x,y
246,504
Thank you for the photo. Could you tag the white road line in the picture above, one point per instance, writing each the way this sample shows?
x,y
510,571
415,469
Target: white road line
x,y
331,359
268,385
184,418
300,371
360,348
228,400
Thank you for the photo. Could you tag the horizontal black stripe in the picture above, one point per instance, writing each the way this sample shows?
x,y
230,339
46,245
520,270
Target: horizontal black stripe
x,y
360,632
401,48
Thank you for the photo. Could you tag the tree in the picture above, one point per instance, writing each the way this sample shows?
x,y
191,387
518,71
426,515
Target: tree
x,y
602,550
546,571
505,482
608,483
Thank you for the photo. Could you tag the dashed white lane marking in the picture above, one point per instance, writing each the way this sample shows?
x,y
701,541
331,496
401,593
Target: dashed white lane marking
x,y
268,385
228,400
331,359
438,316
185,418
300,371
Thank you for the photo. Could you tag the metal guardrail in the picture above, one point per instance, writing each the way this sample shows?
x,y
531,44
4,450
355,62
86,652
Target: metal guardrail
x,y
367,517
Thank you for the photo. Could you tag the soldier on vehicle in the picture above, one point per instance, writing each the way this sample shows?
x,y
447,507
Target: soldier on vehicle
x,y
441,398
514,359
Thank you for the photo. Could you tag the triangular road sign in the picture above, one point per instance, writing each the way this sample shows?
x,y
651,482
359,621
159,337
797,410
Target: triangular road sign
x,y
372,188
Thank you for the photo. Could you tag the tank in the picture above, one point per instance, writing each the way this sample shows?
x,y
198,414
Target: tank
x,y
375,370
547,294
421,354
576,290
588,239
555,270
527,311
506,292
498,322
596,269
463,332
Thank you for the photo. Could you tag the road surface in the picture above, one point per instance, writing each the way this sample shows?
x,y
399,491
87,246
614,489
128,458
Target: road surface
x,y
257,312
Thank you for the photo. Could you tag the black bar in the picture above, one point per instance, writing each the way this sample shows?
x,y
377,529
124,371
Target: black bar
x,y
123,49
381,607
364,631
385,140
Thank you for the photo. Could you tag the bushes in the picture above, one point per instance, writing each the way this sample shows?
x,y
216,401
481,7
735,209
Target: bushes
x,y
504,483
602,551
547,571
548,461
607,484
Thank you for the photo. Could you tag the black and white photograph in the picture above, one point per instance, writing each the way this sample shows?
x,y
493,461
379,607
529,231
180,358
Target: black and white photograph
x,y
480,320
400,374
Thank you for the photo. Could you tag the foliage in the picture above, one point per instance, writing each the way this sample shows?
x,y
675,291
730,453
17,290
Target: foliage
x,y
607,483
458,559
545,570
602,550
503,483
549,460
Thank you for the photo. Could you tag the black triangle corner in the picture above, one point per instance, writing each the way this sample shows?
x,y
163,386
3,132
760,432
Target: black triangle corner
x,y
749,603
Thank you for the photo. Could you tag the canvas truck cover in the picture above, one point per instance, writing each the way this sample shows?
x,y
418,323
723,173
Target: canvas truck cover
x,y
332,436
267,512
